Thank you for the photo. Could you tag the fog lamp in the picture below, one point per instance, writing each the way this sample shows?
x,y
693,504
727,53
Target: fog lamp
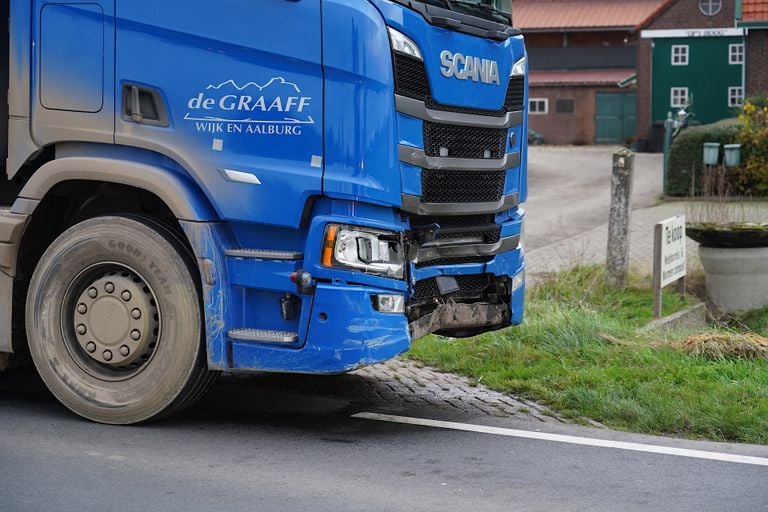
x,y
389,303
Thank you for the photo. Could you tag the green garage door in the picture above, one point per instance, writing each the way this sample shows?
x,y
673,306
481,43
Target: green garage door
x,y
616,117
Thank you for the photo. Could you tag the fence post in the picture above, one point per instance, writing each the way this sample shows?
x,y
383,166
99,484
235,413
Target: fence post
x,y
617,265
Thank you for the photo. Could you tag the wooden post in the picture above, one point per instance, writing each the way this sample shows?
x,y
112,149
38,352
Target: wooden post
x,y
617,264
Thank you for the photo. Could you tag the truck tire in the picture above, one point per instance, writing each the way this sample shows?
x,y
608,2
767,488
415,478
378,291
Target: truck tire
x,y
114,321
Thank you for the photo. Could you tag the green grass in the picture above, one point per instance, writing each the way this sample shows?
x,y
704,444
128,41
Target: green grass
x,y
579,352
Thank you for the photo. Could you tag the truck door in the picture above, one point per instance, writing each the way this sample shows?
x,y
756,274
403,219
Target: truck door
x,y
73,71
230,85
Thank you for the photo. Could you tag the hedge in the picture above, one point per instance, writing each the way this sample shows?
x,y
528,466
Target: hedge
x,y
686,156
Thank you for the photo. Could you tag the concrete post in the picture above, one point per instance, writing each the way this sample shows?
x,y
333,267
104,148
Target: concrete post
x,y
669,130
617,265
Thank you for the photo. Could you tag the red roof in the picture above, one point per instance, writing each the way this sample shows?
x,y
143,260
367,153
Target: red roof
x,y
533,15
581,77
754,10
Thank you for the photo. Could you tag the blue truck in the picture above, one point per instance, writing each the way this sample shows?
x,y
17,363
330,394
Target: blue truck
x,y
304,186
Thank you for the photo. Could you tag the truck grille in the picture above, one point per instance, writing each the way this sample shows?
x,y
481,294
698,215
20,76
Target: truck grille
x,y
453,221
469,286
463,226
515,94
468,260
460,226
464,141
411,81
462,186
410,77
433,105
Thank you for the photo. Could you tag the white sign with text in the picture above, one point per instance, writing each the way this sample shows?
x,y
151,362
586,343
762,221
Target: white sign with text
x,y
672,255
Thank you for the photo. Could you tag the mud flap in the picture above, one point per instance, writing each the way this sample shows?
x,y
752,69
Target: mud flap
x,y
460,316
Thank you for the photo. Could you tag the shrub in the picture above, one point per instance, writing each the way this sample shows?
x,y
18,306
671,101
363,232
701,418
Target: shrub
x,y
752,178
686,157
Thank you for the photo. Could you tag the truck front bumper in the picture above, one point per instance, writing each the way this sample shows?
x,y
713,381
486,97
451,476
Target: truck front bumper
x,y
339,327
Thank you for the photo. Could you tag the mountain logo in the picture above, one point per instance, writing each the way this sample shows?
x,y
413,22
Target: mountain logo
x,y
275,102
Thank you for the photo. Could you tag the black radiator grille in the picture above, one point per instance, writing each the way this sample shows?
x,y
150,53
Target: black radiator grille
x,y
462,226
410,77
433,105
453,221
441,262
464,141
462,186
515,94
469,286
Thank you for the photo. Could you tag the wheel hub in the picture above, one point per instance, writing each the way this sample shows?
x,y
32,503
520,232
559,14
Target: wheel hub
x,y
116,320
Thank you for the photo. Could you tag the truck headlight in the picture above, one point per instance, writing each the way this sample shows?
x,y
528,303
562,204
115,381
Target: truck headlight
x,y
519,67
404,44
365,250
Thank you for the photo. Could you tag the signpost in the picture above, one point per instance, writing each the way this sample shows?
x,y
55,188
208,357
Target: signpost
x,y
669,258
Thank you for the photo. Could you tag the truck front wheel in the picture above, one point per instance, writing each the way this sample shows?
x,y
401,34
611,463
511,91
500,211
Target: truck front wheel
x,y
114,321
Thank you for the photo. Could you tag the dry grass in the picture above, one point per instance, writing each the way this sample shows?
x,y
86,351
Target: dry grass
x,y
726,345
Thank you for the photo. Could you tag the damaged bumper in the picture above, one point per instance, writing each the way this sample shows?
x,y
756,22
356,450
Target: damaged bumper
x,y
461,317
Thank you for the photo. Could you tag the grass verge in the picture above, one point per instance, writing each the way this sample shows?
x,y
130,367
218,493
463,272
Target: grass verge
x,y
580,352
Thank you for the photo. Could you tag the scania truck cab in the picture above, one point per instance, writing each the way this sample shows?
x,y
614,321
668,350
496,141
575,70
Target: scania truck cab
x,y
301,186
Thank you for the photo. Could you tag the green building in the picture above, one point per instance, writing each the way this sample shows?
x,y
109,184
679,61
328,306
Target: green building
x,y
703,69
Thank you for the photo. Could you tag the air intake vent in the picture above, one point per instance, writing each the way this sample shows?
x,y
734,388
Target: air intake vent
x,y
410,77
433,105
463,226
515,94
464,142
462,186
443,262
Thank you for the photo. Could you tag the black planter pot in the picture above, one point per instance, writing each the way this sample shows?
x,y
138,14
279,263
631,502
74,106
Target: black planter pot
x,y
725,238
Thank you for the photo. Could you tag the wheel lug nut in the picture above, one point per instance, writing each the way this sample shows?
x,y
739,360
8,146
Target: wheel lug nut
x,y
124,351
107,355
135,335
109,287
82,309
91,347
136,314
93,293
126,295
81,329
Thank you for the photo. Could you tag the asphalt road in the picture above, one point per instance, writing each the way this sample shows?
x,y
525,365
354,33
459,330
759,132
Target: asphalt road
x,y
249,449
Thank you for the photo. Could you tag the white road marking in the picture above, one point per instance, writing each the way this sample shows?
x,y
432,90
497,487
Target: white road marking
x,y
559,438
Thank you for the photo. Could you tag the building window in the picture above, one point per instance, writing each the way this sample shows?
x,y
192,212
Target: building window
x,y
710,7
736,54
679,97
538,106
565,107
735,97
680,55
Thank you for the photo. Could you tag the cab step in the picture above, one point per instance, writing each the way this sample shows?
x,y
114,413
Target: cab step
x,y
264,336
264,254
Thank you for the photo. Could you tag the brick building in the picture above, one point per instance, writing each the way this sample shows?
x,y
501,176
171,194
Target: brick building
x,y
689,52
752,15
583,59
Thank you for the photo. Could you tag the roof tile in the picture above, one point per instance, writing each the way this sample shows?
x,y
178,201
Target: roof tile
x,y
581,77
755,10
575,14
